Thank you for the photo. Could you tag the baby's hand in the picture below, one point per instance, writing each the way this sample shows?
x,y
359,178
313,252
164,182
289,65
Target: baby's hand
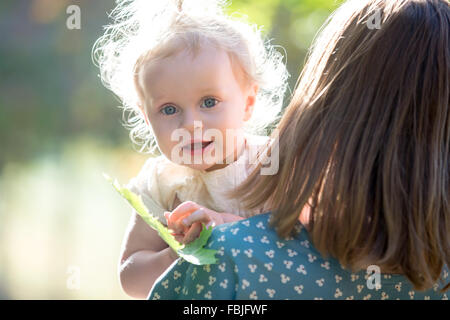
x,y
186,220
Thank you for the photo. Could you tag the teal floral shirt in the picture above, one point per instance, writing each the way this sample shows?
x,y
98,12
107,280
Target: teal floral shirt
x,y
254,263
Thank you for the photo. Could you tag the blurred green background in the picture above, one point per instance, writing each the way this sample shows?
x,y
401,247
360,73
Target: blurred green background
x,y
61,223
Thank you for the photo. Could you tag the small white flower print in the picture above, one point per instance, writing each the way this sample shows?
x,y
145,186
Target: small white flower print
x,y
350,298
384,296
444,297
411,294
156,296
354,277
253,295
285,278
176,275
262,278
221,238
311,257
252,267
325,265
338,293
165,283
359,287
222,267
246,223
177,290
185,291
211,280
221,251
234,231
320,282
301,269
299,289
248,253
280,244
224,283
199,288
288,264
338,278
291,253
398,286
265,240
194,273
305,243
208,295
248,239
297,228
270,292
245,284
268,266
235,252
367,297
236,270
207,268
260,225
270,254
427,298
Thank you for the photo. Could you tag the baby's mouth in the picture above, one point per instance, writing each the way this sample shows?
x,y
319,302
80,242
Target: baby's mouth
x,y
197,145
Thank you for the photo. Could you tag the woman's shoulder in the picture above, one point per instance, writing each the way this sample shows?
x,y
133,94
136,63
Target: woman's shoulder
x,y
256,238
256,226
271,267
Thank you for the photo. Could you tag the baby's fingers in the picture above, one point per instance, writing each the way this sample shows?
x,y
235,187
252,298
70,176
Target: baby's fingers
x,y
198,216
193,233
173,225
179,238
183,209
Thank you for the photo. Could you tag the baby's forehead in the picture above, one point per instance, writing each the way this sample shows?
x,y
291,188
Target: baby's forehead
x,y
209,63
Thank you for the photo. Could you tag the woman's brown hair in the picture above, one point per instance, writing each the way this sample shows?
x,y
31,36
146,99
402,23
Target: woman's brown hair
x,y
365,141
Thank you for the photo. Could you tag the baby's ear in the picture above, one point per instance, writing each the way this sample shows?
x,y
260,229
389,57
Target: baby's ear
x,y
250,103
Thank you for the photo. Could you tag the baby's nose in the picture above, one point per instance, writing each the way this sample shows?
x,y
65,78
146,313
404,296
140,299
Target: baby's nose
x,y
192,123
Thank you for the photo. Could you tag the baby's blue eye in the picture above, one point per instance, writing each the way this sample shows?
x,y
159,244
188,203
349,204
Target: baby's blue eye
x,y
168,110
209,103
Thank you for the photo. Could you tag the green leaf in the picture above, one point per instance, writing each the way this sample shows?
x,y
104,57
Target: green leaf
x,y
195,253
192,252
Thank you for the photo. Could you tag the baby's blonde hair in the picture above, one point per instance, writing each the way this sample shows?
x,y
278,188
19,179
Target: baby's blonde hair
x,y
147,30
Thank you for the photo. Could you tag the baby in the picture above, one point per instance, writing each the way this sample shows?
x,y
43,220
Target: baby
x,y
200,86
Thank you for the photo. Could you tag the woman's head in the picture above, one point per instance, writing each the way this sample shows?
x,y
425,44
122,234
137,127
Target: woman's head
x,y
366,140
147,33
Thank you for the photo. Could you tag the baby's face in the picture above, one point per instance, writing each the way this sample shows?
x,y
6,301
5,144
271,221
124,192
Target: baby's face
x,y
186,97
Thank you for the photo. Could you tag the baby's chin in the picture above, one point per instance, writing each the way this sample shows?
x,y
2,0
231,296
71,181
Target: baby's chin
x,y
201,167
204,166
